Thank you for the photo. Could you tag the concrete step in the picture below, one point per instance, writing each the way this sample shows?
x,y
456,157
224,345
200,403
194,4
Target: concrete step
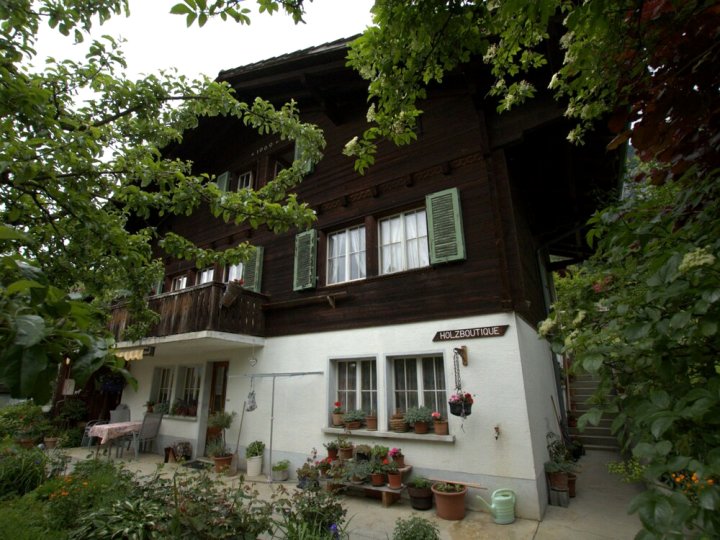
x,y
595,441
600,431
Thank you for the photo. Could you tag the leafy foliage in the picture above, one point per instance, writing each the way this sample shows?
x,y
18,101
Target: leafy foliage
x,y
82,174
648,64
643,313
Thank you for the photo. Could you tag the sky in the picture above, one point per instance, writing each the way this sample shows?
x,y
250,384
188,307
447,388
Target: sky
x,y
158,40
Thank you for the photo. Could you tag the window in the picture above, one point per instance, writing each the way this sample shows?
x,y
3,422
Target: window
x,y
234,272
419,381
189,389
206,275
346,255
178,388
403,242
162,385
179,283
304,276
245,180
356,384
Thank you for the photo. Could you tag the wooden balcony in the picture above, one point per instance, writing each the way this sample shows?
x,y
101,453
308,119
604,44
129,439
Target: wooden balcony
x,y
199,308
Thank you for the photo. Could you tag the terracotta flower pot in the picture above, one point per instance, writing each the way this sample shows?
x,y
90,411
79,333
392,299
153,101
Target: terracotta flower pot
x,y
558,480
441,428
400,460
353,425
450,505
345,453
421,427
371,423
222,463
337,419
377,479
332,453
51,442
394,480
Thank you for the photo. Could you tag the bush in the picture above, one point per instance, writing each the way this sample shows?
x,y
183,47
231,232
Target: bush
x,y
255,449
415,528
25,518
21,417
92,484
315,514
21,470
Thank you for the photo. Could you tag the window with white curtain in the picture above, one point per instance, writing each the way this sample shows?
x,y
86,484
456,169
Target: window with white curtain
x,y
346,255
179,283
245,180
206,275
234,272
403,242
419,381
162,385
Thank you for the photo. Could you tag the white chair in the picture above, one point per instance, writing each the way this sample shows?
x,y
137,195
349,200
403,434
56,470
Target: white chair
x,y
147,434
120,414
87,440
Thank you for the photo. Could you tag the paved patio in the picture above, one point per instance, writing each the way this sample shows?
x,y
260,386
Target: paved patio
x,y
598,512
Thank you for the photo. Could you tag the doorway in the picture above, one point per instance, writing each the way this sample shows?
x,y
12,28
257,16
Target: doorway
x,y
218,393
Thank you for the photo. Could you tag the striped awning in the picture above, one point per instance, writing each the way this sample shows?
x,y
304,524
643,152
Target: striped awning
x,y
130,354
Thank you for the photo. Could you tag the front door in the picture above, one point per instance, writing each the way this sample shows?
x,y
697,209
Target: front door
x,y
218,391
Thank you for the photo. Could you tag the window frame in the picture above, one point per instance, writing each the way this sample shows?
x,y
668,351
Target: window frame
x,y
404,266
202,275
347,255
179,279
359,389
441,393
170,385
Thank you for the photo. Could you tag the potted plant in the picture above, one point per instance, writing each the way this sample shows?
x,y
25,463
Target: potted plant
x,y
394,475
415,528
560,463
371,421
308,473
345,448
397,456
281,470
421,497
353,419
379,452
363,452
217,448
449,500
332,449
51,439
359,472
461,403
337,414
377,472
398,423
150,404
440,426
419,417
254,455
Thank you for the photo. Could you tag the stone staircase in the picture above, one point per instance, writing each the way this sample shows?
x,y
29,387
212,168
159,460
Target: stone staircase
x,y
593,437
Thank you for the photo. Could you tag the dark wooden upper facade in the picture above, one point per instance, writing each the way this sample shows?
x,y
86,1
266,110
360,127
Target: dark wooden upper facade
x,y
524,193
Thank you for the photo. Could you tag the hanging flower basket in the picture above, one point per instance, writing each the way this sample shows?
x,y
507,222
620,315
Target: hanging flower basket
x,y
461,404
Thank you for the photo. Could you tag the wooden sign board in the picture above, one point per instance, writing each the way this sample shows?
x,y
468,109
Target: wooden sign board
x,y
472,333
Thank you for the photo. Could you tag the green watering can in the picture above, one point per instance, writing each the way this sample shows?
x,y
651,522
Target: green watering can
x,y
502,507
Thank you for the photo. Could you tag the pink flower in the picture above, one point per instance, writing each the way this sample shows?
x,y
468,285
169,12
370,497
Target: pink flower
x,y
436,415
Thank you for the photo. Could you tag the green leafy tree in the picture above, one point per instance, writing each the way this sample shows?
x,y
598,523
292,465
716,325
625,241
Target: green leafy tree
x,y
82,174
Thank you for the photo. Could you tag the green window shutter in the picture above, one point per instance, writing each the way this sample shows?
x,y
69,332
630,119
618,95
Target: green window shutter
x,y
445,226
305,166
223,180
305,260
252,271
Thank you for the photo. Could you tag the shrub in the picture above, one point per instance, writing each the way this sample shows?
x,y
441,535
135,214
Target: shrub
x,y
21,470
356,415
415,528
92,484
21,417
418,414
315,514
255,449
24,518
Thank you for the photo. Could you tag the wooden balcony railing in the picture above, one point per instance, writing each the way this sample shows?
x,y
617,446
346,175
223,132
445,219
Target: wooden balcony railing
x,y
199,308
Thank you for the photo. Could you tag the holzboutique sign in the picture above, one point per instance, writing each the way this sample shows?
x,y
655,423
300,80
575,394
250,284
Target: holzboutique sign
x,y
472,333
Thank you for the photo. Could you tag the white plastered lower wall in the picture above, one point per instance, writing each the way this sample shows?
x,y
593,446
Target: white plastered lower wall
x,y
510,378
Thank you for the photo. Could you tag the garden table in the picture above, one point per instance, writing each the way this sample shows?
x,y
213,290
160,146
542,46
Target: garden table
x,y
107,433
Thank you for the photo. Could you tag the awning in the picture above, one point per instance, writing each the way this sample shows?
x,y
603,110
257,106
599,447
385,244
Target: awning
x,y
130,354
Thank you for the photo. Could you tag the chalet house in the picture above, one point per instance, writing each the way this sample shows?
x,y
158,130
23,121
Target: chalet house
x,y
429,272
